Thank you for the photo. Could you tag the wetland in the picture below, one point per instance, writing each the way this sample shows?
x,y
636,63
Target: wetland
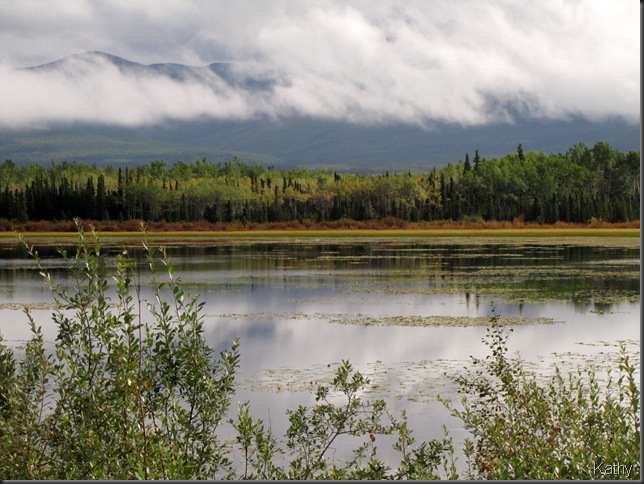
x,y
407,311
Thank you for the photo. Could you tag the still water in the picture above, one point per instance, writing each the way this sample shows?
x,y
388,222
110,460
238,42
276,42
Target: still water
x,y
406,311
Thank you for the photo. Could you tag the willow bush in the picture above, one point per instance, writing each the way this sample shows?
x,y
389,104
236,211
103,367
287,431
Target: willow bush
x,y
574,426
121,396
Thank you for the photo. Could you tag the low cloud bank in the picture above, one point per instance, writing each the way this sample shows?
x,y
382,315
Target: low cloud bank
x,y
415,63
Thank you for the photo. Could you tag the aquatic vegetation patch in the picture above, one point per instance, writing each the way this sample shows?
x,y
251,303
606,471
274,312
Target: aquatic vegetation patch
x,y
423,381
27,306
535,284
436,320
285,379
519,294
603,361
378,320
274,316
413,381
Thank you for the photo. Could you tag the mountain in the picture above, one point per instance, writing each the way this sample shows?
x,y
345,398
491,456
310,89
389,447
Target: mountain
x,y
78,64
286,141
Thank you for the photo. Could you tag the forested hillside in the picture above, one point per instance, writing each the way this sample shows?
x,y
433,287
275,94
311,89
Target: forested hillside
x,y
576,186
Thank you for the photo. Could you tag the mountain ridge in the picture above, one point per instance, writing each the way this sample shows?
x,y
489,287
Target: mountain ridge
x,y
288,141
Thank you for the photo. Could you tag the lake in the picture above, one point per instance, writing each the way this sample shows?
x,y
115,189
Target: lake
x,y
405,311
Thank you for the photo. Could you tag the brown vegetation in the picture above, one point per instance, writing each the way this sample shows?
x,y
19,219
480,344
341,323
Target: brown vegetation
x,y
306,224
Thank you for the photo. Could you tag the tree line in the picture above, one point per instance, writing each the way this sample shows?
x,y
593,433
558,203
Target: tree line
x,y
582,184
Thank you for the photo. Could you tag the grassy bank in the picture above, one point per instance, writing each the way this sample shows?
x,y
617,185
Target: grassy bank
x,y
518,232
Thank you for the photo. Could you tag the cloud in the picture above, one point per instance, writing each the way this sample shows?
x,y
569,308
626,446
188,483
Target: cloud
x,y
467,62
98,91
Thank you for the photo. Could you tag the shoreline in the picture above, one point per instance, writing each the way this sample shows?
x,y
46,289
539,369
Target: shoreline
x,y
340,232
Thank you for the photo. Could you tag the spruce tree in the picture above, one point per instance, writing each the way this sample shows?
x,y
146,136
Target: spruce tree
x,y
467,167
477,159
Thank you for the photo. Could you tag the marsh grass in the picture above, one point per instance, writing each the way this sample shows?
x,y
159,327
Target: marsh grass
x,y
550,232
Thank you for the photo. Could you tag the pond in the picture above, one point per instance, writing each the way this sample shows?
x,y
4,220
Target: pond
x,y
405,311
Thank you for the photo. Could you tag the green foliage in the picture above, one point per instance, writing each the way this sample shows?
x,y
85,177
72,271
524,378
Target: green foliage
x,y
340,413
568,428
259,447
572,187
123,396
23,401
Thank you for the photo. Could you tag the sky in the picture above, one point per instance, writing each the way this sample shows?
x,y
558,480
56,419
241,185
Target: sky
x,y
467,62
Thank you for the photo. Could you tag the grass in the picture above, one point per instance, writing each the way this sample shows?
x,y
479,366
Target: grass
x,y
514,232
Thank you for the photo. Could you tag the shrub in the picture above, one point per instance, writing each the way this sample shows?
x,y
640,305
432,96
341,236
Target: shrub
x,y
122,396
570,428
38,226
313,431
5,225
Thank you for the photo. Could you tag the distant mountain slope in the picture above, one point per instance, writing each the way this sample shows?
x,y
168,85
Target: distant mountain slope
x,y
295,141
365,148
305,143
76,64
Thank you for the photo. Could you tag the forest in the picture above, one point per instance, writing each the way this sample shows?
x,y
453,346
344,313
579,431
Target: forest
x,y
583,184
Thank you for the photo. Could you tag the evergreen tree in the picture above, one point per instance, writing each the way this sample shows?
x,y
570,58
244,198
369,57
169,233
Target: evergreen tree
x,y
19,210
101,200
477,159
467,166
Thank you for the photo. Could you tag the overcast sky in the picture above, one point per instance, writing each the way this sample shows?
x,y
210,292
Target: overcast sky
x,y
384,61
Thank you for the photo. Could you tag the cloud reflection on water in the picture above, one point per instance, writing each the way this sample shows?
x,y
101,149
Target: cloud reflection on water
x,y
278,299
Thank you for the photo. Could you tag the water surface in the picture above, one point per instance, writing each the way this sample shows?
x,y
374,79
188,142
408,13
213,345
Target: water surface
x,y
301,306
